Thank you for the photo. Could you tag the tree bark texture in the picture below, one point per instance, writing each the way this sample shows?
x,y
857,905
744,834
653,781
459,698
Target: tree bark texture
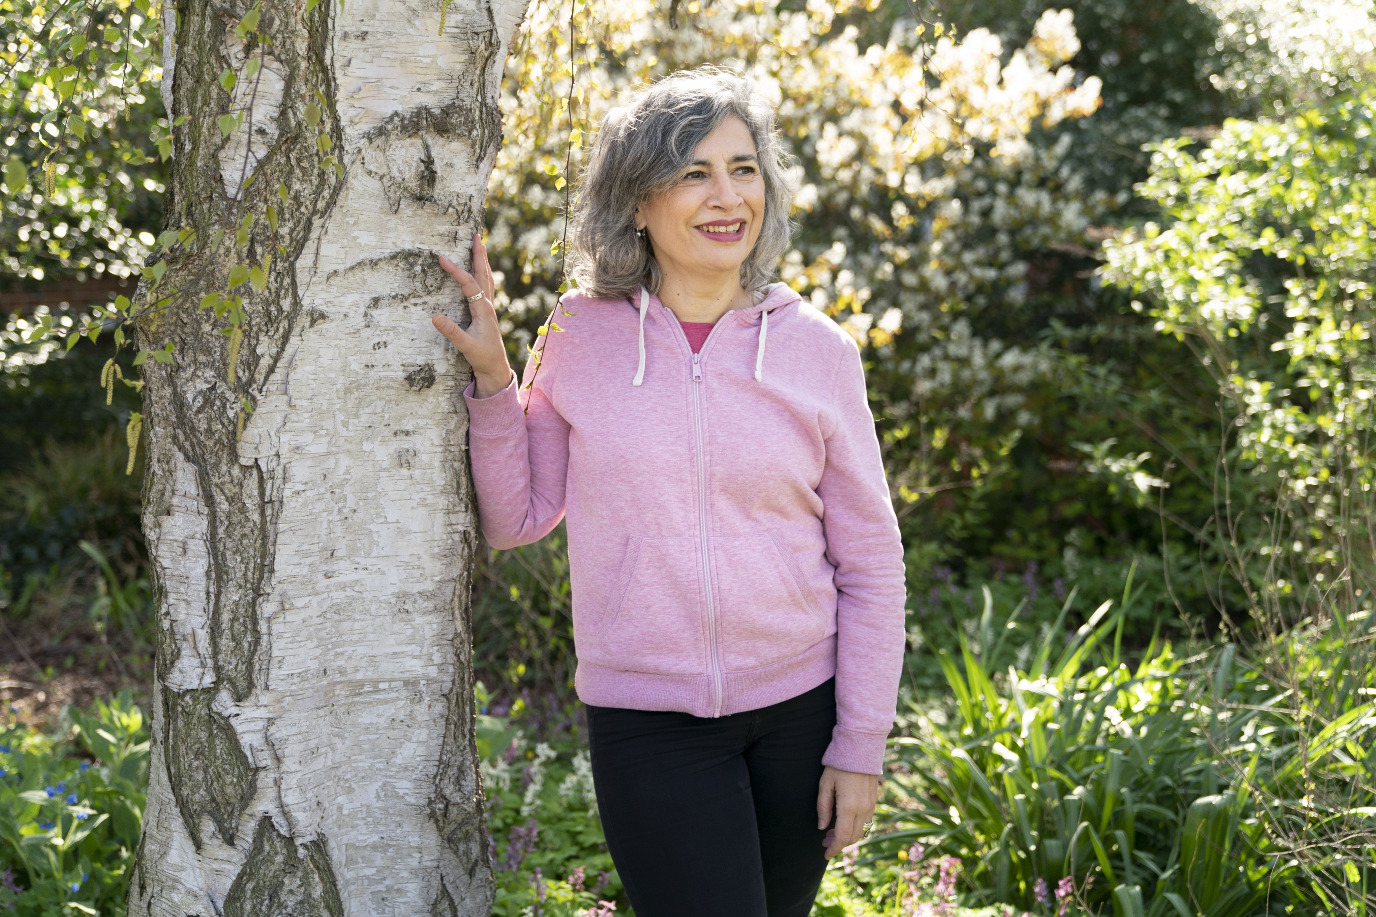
x,y
307,504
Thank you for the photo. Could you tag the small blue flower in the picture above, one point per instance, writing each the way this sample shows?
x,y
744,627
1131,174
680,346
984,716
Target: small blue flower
x,y
3,772
46,825
81,816
75,886
85,765
5,749
71,799
50,790
84,876
62,787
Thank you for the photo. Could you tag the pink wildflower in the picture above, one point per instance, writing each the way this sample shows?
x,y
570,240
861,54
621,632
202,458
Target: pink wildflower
x,y
1041,893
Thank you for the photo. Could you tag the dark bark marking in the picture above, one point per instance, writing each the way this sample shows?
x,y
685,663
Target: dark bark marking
x,y
281,878
208,771
444,903
456,807
420,379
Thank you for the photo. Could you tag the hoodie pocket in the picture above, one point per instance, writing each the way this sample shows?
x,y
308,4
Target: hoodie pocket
x,y
766,616
654,623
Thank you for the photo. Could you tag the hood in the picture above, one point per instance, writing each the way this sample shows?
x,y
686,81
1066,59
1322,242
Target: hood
x,y
777,295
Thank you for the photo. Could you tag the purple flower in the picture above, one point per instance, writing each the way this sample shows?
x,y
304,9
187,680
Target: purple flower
x,y
603,880
578,878
521,842
946,880
1058,589
603,909
539,881
1041,893
1029,581
1065,893
916,852
7,881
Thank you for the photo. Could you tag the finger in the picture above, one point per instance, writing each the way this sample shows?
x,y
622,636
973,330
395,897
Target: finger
x,y
482,267
467,282
826,797
451,330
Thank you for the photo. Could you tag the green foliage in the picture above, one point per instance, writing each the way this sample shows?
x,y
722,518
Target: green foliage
x,y
548,849
1262,261
71,806
79,120
1079,765
522,636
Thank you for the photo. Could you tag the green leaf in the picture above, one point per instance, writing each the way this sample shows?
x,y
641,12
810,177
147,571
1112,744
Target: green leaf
x,y
238,275
227,124
249,22
16,176
77,124
228,79
312,114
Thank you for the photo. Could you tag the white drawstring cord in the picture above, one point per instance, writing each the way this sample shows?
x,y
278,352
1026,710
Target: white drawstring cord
x,y
759,354
644,307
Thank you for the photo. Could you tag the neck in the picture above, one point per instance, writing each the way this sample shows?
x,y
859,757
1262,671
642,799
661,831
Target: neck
x,y
704,299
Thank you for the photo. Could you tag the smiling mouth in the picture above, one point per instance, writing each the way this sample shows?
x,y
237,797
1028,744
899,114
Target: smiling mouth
x,y
725,231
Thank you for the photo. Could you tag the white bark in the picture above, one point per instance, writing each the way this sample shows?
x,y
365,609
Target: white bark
x,y
327,701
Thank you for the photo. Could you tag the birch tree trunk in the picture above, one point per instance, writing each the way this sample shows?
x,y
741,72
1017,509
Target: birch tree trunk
x,y
313,749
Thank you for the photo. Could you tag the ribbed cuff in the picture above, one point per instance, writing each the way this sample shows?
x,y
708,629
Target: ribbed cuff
x,y
860,752
495,414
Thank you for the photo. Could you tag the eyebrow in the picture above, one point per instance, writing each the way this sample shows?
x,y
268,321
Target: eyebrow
x,y
739,157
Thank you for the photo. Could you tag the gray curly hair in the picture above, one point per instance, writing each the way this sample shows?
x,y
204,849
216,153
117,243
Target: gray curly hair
x,y
643,146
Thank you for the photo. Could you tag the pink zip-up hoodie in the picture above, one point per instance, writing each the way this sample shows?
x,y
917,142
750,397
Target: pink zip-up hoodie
x,y
732,543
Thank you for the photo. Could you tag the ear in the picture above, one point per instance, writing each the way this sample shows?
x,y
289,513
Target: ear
x,y
639,220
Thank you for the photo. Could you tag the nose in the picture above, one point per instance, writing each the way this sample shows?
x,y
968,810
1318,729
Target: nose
x,y
724,195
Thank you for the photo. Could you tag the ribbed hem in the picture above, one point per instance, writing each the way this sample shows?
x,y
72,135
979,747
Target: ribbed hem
x,y
861,752
495,414
603,686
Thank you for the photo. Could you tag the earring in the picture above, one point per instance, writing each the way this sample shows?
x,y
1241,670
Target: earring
x,y
640,234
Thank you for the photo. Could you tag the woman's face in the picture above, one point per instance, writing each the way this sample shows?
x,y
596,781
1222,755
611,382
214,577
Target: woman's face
x,y
707,222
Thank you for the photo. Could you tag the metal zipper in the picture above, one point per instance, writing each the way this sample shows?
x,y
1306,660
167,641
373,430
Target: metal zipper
x,y
714,660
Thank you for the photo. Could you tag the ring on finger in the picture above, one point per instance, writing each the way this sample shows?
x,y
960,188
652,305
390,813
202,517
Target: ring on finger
x,y
474,298
867,826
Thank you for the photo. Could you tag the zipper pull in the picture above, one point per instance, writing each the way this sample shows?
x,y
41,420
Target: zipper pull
x,y
697,368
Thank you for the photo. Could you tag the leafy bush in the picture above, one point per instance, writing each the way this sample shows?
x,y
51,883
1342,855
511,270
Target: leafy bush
x,y
71,807
1262,262
1080,767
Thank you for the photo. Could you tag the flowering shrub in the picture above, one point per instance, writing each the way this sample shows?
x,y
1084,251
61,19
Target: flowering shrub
x,y
548,852
70,812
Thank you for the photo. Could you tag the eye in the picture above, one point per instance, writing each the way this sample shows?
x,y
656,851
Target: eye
x,y
747,170
694,175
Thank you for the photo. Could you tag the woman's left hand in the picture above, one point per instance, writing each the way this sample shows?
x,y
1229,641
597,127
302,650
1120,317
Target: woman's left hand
x,y
851,798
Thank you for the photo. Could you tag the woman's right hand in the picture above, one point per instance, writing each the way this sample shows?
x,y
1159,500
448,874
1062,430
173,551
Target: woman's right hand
x,y
481,343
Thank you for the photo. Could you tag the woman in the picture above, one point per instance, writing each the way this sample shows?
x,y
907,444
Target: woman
x,y
735,562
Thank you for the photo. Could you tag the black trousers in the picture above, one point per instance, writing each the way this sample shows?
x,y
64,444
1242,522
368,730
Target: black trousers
x,y
715,817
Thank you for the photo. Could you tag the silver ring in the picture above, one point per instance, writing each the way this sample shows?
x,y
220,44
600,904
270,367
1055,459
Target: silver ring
x,y
474,298
867,826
